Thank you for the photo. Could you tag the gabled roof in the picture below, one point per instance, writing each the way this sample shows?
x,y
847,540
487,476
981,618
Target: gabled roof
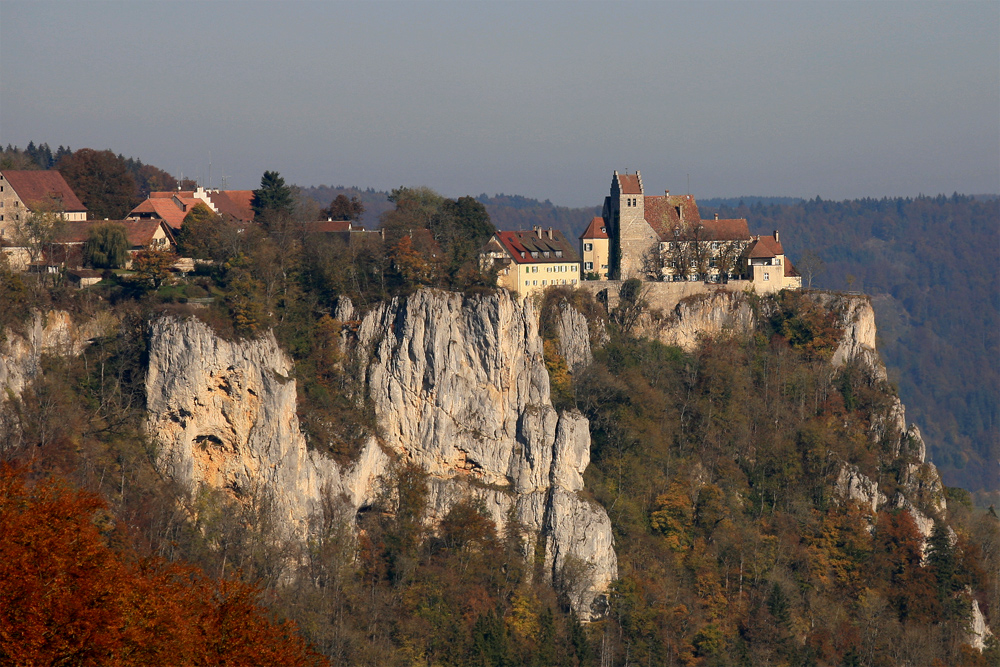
x,y
522,243
764,247
35,187
171,210
661,212
595,230
235,203
139,232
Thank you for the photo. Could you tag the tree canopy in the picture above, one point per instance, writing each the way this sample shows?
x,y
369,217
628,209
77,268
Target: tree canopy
x,y
107,246
102,181
273,196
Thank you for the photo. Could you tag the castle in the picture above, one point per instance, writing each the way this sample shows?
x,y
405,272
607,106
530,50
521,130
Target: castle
x,y
662,238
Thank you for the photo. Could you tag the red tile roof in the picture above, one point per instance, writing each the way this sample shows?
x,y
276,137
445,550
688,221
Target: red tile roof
x,y
595,230
520,244
235,203
172,211
731,229
790,271
661,213
139,232
34,187
763,247
629,184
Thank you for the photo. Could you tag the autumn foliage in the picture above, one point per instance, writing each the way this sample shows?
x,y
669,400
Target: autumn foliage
x,y
73,593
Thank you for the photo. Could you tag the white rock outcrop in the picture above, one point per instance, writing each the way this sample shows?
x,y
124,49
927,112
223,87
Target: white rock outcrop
x,y
459,387
51,332
706,315
854,486
572,337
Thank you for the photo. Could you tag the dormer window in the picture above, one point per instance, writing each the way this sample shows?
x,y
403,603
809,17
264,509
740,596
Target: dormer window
x,y
545,253
603,230
534,253
558,253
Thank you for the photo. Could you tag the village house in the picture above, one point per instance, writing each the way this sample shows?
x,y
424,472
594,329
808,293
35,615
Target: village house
x,y
528,261
172,207
663,238
67,248
25,192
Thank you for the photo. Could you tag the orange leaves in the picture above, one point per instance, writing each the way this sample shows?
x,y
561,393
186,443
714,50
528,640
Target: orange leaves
x,y
70,598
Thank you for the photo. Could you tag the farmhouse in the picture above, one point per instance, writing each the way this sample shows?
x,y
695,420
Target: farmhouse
x,y
25,192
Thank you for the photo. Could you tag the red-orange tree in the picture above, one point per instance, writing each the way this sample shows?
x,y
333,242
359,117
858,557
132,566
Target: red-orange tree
x,y
73,594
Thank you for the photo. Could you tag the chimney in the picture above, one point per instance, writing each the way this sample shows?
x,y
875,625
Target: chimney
x,y
776,236
716,216
538,230
550,233
666,193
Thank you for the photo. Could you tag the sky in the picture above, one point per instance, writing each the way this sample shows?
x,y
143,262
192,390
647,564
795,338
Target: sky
x,y
541,99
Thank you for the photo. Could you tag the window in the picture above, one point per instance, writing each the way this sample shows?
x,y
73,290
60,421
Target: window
x,y
604,266
558,253
767,276
715,245
545,282
534,282
574,281
526,282
587,247
589,266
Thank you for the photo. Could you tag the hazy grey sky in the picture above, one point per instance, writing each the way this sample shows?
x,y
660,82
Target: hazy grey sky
x,y
543,99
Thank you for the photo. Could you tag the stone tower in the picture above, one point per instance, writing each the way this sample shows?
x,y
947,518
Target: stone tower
x,y
625,218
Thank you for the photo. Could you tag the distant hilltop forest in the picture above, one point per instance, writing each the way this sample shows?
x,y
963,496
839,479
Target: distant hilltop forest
x,y
930,264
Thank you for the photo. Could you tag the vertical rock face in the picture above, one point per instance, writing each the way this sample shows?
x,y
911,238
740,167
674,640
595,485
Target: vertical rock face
x,y
459,388
52,332
223,414
573,337
710,314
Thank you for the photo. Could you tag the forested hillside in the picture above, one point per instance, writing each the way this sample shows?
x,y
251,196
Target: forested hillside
x,y
931,265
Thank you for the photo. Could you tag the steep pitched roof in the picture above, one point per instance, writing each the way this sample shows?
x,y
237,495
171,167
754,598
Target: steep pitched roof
x,y
764,247
235,203
172,210
34,187
666,212
595,230
139,232
521,244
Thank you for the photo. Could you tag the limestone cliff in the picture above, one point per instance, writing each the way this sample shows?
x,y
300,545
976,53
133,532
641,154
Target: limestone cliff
x,y
51,332
459,388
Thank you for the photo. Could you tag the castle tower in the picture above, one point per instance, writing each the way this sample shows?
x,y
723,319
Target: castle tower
x,y
625,218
